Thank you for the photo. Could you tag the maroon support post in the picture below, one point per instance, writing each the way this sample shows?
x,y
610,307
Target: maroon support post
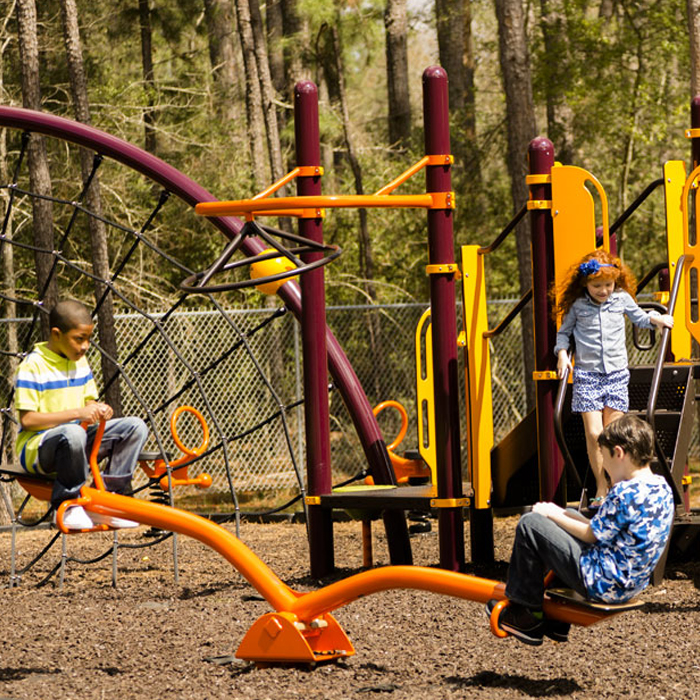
x,y
695,124
444,323
313,331
551,464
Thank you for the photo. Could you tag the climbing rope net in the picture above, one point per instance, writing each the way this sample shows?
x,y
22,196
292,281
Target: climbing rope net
x,y
239,387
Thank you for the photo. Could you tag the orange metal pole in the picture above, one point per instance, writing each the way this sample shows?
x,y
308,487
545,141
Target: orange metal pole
x,y
366,201
248,564
308,606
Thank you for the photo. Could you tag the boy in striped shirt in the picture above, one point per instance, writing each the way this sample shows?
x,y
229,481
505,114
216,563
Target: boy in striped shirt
x,y
54,393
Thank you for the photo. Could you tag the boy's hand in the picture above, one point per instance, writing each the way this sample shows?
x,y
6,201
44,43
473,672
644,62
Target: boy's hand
x,y
547,509
95,412
563,362
663,321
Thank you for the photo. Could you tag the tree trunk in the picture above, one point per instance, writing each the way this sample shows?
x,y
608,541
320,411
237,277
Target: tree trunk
x,y
295,36
218,15
450,33
93,201
559,114
366,257
694,31
396,24
253,96
275,51
149,117
267,93
520,118
39,175
8,286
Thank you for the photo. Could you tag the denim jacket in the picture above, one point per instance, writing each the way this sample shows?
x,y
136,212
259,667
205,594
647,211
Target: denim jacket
x,y
599,331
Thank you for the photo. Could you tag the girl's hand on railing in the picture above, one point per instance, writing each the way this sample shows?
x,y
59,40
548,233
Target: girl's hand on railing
x,y
663,321
563,363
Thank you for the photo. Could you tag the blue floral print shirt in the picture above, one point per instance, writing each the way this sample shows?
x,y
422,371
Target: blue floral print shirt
x,y
631,529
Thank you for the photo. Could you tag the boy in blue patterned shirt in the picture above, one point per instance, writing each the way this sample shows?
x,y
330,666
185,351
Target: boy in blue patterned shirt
x,y
609,558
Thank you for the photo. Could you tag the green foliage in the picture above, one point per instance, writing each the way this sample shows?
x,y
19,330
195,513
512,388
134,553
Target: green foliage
x,y
624,78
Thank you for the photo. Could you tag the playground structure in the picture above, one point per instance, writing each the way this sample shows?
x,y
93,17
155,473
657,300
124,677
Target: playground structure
x,y
301,628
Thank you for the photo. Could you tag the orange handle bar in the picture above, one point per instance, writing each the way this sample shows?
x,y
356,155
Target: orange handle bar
x,y
404,421
188,453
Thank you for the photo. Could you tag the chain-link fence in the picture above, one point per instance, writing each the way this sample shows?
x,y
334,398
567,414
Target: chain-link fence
x,y
243,370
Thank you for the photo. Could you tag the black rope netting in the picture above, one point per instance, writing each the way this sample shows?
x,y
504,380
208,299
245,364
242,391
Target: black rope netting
x,y
193,378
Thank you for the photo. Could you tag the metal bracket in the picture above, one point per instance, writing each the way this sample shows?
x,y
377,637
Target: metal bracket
x,y
449,502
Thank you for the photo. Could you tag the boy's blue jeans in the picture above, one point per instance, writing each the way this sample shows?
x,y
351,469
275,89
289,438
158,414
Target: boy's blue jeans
x,y
65,450
541,546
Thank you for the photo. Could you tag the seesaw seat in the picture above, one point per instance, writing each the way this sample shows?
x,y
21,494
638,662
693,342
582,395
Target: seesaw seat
x,y
567,596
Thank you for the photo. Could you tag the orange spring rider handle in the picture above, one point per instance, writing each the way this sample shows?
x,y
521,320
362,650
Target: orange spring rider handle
x,y
403,468
179,475
97,478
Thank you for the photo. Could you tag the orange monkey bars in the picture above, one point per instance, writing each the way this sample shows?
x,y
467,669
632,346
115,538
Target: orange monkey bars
x,y
312,206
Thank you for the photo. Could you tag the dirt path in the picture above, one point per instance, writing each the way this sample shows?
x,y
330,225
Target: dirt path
x,y
150,638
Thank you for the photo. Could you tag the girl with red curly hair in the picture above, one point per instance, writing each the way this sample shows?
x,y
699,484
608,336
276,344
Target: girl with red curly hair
x,y
594,298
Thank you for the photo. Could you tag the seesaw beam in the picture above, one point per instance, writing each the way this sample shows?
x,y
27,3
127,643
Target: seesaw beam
x,y
301,628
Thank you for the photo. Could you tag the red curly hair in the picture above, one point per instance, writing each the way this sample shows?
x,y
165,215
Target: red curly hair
x,y
574,283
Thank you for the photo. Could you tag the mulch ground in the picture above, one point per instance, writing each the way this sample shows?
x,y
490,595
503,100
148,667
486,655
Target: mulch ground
x,y
153,637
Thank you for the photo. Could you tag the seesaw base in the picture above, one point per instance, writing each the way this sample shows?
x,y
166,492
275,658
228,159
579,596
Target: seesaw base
x,y
280,637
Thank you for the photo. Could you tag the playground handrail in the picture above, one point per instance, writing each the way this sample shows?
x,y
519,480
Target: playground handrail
x,y
658,368
649,276
637,202
485,250
559,428
509,316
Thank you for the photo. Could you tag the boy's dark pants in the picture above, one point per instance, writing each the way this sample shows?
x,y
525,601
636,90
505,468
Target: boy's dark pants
x,y
541,546
65,449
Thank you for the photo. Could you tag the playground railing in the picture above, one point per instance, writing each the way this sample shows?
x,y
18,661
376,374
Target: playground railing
x,y
636,204
658,368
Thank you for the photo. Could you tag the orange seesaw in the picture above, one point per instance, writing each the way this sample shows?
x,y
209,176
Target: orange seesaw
x,y
301,628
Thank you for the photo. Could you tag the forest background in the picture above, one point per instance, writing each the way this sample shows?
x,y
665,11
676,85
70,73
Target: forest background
x,y
207,85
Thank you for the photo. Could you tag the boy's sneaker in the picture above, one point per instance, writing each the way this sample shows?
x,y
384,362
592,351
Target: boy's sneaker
x,y
520,622
75,518
556,630
112,521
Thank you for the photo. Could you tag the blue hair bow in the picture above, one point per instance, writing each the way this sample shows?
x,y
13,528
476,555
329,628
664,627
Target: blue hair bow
x,y
590,267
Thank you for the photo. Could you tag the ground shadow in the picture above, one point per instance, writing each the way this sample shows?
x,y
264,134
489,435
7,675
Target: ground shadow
x,y
549,687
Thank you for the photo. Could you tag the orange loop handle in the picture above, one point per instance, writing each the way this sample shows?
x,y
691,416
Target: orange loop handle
x,y
188,453
495,614
94,468
404,421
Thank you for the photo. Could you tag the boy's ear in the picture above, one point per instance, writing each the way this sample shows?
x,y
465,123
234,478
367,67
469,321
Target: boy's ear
x,y
618,452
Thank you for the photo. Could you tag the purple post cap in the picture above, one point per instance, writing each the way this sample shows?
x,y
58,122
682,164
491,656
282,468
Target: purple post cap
x,y
434,72
541,145
305,87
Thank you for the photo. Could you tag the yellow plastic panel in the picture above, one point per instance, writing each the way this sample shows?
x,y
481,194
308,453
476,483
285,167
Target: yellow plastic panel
x,y
573,216
477,362
425,396
674,182
691,248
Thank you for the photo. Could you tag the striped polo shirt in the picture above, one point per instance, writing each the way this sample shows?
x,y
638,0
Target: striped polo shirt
x,y
46,383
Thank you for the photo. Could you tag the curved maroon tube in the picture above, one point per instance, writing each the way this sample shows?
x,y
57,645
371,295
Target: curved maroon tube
x,y
192,193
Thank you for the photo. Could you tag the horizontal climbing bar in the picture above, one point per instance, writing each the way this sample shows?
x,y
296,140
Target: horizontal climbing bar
x,y
433,200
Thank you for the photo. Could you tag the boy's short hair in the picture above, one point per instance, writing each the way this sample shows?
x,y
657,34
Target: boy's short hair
x,y
633,435
69,314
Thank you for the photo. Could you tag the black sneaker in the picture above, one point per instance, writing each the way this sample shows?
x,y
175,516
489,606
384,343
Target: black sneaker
x,y
556,630
520,622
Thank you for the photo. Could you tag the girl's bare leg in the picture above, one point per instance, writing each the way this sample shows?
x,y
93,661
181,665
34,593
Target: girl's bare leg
x,y
593,425
610,414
